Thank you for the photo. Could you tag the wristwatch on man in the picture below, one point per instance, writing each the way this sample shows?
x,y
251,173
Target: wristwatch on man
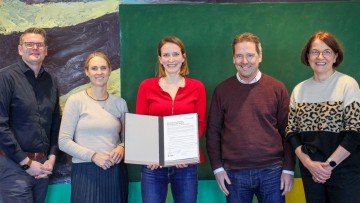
x,y
331,162
27,165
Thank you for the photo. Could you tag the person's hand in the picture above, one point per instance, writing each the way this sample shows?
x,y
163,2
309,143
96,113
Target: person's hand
x,y
103,160
181,165
328,167
47,167
153,166
319,171
117,154
35,168
286,183
221,177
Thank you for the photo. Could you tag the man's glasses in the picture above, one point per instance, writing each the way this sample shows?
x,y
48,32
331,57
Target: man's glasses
x,y
326,53
31,45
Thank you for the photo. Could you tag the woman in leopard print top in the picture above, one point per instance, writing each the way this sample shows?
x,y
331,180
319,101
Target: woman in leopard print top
x,y
323,126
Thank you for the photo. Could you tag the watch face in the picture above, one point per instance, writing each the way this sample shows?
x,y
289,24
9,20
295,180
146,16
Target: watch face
x,y
25,167
332,164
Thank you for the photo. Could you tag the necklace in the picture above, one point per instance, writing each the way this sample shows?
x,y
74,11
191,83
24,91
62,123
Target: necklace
x,y
107,96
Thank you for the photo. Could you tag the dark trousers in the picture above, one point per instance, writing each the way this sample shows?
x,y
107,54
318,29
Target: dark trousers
x,y
16,186
342,187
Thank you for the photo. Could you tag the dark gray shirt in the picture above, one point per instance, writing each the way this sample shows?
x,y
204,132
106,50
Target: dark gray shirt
x,y
29,112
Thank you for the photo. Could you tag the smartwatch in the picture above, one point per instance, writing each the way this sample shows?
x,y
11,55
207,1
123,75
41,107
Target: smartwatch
x,y
331,162
27,165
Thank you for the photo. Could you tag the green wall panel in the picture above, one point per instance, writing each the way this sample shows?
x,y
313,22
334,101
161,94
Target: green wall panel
x,y
208,30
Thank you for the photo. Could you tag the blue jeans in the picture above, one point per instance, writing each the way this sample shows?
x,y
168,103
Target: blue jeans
x,y
263,182
184,182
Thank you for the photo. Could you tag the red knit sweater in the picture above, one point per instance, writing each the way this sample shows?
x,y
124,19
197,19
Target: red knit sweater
x,y
152,100
246,125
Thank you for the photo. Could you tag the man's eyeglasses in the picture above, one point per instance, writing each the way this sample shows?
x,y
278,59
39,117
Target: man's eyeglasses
x,y
31,45
248,57
326,53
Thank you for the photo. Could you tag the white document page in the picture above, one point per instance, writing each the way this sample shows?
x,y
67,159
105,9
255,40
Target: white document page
x,y
181,139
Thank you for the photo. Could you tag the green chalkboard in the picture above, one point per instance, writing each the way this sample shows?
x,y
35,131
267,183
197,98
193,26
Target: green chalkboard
x,y
208,30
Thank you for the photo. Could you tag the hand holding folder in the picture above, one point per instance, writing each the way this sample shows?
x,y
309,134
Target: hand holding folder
x,y
166,141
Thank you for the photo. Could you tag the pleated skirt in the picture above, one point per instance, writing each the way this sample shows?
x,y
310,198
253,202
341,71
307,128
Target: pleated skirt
x,y
92,184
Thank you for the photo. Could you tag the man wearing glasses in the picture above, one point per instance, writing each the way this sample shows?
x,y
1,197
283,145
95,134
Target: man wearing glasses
x,y
29,122
246,130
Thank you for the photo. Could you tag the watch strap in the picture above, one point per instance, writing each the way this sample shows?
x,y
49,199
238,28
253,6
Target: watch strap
x,y
27,165
332,163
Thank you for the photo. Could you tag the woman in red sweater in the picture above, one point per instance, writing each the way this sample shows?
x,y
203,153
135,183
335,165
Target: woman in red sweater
x,y
171,93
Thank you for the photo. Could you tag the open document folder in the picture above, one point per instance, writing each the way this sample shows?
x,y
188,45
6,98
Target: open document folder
x,y
166,141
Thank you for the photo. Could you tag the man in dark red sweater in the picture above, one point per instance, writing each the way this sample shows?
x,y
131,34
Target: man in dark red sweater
x,y
246,130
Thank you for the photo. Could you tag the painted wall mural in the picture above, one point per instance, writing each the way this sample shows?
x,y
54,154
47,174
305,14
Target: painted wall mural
x,y
75,29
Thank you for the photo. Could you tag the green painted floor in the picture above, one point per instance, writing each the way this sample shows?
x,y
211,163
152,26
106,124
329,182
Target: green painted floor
x,y
208,192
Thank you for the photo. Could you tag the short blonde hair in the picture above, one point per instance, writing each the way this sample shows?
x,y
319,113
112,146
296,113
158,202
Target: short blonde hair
x,y
34,30
247,37
94,54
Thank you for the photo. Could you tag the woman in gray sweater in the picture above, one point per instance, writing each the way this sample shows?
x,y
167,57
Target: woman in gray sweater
x,y
91,132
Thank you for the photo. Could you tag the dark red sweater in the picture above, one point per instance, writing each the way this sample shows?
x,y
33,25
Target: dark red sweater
x,y
246,125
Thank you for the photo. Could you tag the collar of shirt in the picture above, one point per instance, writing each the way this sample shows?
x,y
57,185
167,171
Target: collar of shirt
x,y
27,68
257,78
